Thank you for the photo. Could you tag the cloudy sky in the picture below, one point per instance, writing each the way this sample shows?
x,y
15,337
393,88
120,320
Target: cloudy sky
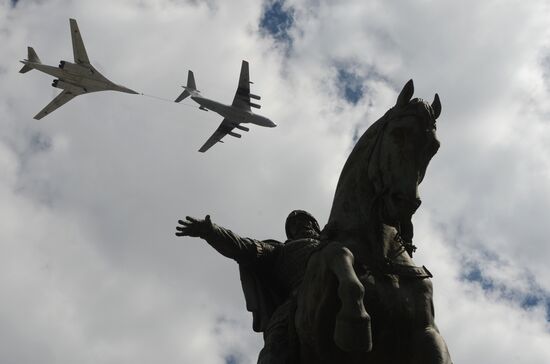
x,y
90,269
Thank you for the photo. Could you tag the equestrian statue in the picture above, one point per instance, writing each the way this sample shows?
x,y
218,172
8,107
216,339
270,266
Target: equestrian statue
x,y
349,293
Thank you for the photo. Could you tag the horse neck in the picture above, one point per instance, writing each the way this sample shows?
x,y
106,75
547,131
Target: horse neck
x,y
355,215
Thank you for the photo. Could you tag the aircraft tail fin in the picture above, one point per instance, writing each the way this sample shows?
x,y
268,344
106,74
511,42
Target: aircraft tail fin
x,y
191,81
189,89
31,57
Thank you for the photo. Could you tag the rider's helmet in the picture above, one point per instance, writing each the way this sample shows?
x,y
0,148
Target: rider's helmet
x,y
301,224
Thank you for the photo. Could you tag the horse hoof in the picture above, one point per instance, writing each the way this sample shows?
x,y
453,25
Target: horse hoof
x,y
353,335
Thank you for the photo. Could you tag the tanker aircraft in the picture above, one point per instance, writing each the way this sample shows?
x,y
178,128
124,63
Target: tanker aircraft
x,y
233,115
74,78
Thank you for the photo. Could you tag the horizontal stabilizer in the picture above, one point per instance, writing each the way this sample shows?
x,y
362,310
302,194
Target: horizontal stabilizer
x,y
183,96
25,69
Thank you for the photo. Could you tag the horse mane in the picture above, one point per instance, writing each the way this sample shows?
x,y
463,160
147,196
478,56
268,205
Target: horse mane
x,y
350,173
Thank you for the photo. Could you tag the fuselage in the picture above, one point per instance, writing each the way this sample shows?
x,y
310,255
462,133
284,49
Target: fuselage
x,y
232,113
85,77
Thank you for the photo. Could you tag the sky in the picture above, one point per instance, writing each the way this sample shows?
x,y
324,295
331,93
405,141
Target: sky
x,y
90,268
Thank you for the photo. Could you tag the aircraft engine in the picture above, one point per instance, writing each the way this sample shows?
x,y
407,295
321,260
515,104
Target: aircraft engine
x,y
254,105
243,128
256,97
68,87
75,68
234,134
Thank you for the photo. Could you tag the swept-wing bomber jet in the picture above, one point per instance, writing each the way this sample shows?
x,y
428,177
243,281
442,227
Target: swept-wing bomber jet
x,y
233,115
75,78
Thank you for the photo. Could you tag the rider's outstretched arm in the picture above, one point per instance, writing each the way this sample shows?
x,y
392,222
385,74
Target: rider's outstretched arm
x,y
244,250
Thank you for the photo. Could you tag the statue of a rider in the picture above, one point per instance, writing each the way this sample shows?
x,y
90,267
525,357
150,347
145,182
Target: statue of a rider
x,y
271,273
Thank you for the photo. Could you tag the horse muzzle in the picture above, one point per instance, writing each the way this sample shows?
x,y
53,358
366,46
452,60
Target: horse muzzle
x,y
400,206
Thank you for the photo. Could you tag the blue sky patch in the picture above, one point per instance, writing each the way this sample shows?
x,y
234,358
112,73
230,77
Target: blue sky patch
x,y
473,274
536,295
531,300
277,21
231,359
353,76
39,142
351,86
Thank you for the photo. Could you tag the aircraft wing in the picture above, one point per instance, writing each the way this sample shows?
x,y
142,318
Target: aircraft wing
x,y
79,52
59,100
225,128
242,96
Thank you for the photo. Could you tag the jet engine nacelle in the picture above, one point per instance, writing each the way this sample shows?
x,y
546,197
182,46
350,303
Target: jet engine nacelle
x,y
234,134
256,97
75,68
68,86
243,128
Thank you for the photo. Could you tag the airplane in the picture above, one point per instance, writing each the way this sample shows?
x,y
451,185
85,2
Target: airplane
x,y
233,115
73,78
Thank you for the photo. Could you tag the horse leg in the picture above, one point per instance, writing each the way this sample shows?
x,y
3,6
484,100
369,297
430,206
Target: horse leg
x,y
352,331
427,343
430,348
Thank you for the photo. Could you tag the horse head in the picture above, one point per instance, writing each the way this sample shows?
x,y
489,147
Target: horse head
x,y
381,176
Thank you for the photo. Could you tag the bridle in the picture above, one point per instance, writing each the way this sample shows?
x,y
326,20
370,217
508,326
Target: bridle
x,y
379,186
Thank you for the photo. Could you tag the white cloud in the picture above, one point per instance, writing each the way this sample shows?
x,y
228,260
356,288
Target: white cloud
x,y
90,269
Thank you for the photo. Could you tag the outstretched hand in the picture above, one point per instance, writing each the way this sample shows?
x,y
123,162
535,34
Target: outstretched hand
x,y
193,227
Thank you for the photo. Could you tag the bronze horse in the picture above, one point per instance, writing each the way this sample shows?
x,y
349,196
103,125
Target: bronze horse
x,y
362,299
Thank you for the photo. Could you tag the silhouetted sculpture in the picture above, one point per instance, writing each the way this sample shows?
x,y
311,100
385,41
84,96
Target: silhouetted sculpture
x,y
353,294
271,273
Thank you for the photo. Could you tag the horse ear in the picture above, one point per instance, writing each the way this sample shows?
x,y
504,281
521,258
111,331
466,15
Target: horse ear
x,y
406,94
436,106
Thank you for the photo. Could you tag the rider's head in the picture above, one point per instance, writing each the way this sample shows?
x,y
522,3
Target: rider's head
x,y
301,224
